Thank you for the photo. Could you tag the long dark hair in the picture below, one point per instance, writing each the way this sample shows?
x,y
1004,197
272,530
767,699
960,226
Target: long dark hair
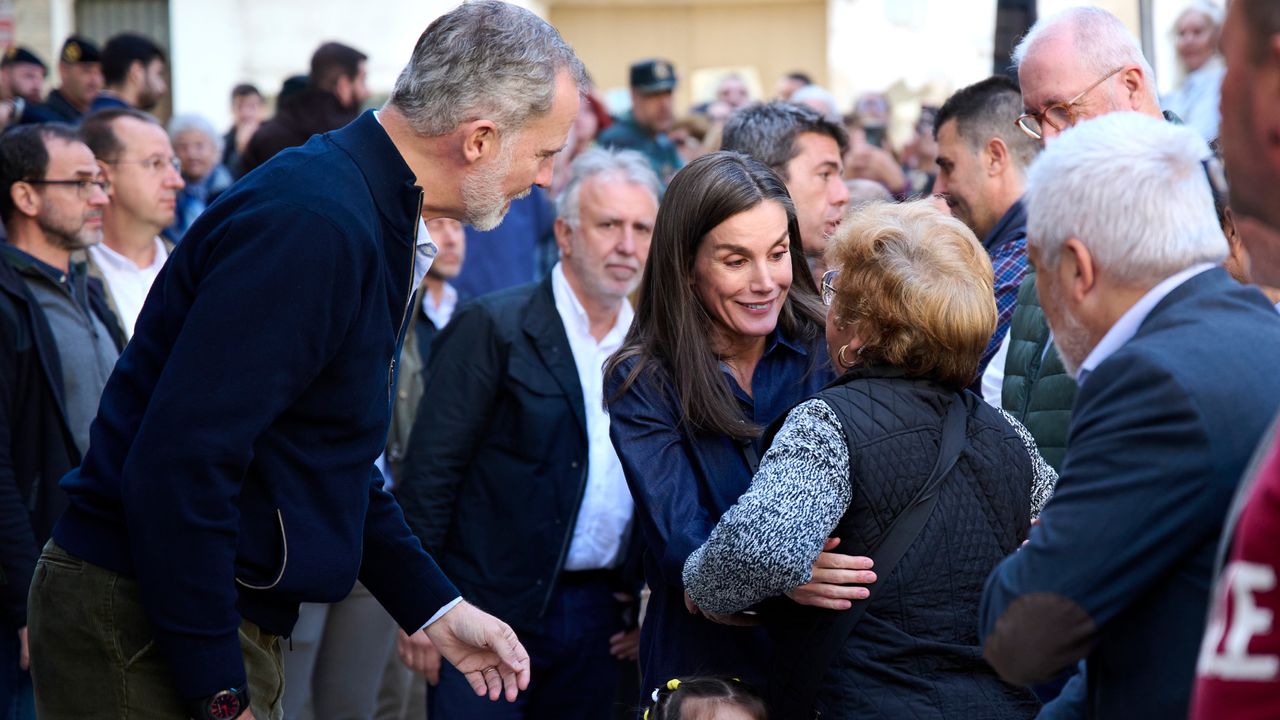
x,y
672,328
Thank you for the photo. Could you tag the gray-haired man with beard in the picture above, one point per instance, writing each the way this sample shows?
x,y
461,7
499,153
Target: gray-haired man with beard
x,y
231,471
58,343
510,477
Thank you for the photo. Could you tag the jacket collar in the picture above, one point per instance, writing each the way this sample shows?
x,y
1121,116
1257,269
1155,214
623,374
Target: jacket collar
x,y
1012,225
1211,280
387,175
543,325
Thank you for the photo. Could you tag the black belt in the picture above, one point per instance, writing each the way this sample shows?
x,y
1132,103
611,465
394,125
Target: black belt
x,y
586,577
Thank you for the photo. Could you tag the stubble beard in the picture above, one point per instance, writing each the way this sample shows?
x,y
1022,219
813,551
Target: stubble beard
x,y
483,200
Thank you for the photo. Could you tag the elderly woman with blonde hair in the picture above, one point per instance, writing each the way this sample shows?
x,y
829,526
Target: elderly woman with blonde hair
x,y
899,462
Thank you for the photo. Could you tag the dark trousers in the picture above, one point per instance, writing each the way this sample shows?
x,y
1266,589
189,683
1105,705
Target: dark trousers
x,y
572,675
93,654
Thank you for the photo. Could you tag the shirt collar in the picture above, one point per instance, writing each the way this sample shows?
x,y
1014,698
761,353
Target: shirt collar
x,y
124,263
1127,326
448,298
1012,224
28,264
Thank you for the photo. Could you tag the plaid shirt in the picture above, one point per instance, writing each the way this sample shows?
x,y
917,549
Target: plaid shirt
x,y
1007,245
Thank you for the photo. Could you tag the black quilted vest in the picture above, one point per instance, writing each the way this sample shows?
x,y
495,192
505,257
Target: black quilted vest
x,y
915,652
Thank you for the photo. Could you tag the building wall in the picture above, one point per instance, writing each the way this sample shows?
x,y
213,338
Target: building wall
x,y
919,49
219,43
762,39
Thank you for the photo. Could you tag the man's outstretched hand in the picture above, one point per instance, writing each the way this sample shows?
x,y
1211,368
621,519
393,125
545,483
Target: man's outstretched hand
x,y
482,648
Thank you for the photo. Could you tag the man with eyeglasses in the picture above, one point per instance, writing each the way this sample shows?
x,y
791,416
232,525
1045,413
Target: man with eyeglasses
x,y
1076,65
137,159
58,344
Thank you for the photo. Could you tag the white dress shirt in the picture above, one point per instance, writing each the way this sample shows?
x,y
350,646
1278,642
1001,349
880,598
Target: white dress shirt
x,y
1127,326
604,518
128,283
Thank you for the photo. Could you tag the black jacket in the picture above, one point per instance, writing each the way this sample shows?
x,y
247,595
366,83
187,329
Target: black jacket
x,y
915,653
36,444
496,465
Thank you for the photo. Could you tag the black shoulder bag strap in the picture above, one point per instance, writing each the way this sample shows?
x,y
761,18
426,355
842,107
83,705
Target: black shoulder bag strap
x,y
802,693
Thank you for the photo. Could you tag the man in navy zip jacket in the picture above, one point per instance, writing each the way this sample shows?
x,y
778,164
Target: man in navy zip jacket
x,y
230,469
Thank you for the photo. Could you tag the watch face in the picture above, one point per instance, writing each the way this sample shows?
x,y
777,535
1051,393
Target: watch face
x,y
225,706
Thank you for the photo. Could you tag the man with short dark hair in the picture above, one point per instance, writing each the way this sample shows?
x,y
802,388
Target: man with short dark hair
x,y
335,91
807,151
791,82
80,67
644,127
982,163
1063,64
246,118
58,343
133,69
1239,666
138,161
231,474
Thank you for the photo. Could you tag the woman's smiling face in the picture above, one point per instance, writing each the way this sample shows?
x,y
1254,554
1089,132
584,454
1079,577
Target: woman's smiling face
x,y
742,273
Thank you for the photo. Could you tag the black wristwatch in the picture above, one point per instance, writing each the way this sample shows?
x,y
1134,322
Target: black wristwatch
x,y
223,705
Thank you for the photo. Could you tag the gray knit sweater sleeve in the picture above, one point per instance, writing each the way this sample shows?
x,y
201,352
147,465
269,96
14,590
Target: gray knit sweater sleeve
x,y
1044,478
766,544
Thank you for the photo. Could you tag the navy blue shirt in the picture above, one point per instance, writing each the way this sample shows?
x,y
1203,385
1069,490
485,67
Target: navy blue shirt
x,y
682,482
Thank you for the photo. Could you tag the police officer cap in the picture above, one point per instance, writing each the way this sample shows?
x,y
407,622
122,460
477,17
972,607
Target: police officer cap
x,y
77,50
653,76
15,55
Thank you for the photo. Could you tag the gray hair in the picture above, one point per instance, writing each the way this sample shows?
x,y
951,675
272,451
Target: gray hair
x,y
191,121
768,132
484,60
817,93
1132,189
1102,43
626,165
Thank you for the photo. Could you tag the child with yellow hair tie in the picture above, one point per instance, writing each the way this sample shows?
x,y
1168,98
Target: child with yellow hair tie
x,y
709,698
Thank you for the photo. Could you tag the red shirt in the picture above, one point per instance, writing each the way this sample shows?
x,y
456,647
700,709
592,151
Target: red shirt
x,y
1238,677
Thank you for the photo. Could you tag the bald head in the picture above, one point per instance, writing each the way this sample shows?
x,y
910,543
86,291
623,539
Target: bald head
x,y
1067,54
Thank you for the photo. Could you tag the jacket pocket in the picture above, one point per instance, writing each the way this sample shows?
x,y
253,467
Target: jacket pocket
x,y
263,555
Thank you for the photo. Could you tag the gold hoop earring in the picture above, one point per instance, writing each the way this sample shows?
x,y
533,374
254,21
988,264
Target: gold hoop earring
x,y
844,363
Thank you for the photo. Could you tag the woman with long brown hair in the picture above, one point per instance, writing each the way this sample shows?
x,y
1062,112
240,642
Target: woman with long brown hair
x,y
728,334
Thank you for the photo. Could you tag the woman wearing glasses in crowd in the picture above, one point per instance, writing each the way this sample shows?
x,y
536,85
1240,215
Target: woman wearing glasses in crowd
x,y
910,310
727,336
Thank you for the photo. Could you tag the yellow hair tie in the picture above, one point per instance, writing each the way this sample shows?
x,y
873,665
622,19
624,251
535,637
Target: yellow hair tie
x,y
673,683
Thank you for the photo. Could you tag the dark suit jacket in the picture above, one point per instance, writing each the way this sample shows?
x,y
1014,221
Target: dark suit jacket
x,y
496,464
1119,568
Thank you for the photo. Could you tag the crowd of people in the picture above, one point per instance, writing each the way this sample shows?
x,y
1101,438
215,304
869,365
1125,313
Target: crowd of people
x,y
489,403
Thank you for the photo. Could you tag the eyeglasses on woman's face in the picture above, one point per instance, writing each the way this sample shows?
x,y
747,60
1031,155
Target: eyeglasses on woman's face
x,y
828,286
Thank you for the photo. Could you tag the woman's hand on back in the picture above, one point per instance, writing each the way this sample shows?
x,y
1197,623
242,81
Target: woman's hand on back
x,y
837,580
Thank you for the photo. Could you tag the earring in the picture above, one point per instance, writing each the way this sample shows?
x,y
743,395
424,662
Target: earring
x,y
841,358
